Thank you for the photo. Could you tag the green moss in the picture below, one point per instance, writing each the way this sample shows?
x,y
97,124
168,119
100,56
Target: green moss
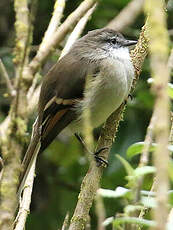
x,y
79,220
21,130
157,31
18,3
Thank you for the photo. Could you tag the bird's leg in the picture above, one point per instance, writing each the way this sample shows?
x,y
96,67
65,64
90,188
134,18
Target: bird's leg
x,y
99,160
82,142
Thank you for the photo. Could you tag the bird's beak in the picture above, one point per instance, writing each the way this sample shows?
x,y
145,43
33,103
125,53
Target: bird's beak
x,y
129,42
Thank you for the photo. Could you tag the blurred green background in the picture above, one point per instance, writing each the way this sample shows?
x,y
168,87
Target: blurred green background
x,y
60,169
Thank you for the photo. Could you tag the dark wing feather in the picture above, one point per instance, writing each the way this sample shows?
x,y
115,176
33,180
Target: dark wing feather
x,y
55,119
58,122
66,82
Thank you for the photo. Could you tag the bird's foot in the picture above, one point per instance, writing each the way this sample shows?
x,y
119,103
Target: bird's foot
x,y
99,160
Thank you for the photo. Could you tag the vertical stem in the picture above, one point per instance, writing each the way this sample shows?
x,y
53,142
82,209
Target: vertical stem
x,y
55,20
75,34
100,211
159,55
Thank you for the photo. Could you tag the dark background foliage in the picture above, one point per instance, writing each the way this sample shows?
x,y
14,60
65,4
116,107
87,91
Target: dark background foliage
x,y
61,167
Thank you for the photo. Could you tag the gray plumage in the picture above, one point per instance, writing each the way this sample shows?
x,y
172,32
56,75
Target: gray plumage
x,y
102,54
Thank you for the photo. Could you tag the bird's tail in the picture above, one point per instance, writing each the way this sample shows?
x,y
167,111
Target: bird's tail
x,y
30,157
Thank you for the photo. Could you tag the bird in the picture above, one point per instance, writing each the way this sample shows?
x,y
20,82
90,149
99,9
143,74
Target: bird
x,y
103,54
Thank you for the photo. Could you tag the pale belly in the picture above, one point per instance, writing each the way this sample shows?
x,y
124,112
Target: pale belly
x,y
105,103
105,95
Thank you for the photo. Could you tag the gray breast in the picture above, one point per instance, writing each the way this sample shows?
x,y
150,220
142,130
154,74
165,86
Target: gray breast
x,y
106,91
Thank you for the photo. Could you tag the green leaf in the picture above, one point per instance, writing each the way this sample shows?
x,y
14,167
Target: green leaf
x,y
137,148
119,192
149,202
127,166
133,220
140,171
129,170
132,208
108,221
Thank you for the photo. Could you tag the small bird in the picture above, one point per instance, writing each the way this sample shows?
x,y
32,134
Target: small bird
x,y
104,55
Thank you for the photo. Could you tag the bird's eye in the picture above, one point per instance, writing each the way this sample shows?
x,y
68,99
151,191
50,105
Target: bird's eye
x,y
113,40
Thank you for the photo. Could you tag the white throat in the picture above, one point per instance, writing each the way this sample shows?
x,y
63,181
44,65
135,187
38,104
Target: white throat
x,y
120,53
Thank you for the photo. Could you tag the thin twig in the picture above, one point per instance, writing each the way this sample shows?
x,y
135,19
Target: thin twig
x,y
31,90
33,11
24,207
66,222
33,100
145,154
52,27
145,209
54,22
127,16
100,211
147,142
4,74
77,30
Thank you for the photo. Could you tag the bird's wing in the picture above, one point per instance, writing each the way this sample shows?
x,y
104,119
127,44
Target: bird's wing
x,y
55,118
56,110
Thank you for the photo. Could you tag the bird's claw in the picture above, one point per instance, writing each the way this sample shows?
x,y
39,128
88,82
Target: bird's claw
x,y
99,160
